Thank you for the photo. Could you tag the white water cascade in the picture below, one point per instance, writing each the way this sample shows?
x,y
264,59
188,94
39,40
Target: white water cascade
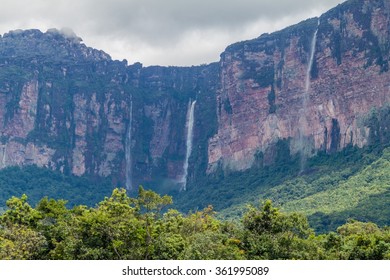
x,y
3,160
189,126
128,140
303,145
311,59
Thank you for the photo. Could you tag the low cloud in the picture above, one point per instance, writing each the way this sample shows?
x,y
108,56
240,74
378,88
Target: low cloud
x,y
169,32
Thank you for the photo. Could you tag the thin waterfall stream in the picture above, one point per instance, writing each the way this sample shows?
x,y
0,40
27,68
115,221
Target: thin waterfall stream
x,y
303,145
129,184
189,137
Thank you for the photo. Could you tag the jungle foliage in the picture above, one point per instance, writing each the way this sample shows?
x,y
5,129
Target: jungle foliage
x,y
121,227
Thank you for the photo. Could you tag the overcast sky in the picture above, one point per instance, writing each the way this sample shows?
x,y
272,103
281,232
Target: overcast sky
x,y
160,32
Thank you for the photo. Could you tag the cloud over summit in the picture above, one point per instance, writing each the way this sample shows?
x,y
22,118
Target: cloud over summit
x,y
169,32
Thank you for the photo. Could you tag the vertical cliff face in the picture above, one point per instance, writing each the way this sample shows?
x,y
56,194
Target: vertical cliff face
x,y
162,95
71,108
62,104
262,97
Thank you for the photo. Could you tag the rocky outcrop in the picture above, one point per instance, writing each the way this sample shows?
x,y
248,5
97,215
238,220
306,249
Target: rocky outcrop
x,y
15,128
66,106
262,97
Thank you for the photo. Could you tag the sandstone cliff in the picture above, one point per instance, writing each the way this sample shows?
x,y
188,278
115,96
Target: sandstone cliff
x,y
270,91
69,107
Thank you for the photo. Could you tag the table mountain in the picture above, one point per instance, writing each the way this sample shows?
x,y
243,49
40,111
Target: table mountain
x,y
320,85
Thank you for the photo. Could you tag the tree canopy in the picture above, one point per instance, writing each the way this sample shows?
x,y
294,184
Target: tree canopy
x,y
144,227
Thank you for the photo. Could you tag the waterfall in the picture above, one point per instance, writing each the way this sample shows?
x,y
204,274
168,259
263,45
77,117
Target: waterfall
x,y
3,163
311,59
129,174
189,135
303,145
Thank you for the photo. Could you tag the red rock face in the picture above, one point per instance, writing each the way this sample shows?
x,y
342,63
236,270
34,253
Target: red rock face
x,y
262,97
66,106
15,129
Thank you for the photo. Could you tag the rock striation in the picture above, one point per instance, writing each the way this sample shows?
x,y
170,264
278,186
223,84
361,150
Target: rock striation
x,y
69,107
263,86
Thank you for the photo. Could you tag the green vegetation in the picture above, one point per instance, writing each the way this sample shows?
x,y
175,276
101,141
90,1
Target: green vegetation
x,y
271,101
353,183
40,182
121,227
372,180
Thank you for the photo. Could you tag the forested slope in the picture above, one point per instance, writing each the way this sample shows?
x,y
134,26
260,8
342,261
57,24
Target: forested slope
x,y
120,227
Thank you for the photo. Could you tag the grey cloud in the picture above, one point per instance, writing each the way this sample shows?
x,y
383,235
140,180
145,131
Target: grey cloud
x,y
157,21
160,26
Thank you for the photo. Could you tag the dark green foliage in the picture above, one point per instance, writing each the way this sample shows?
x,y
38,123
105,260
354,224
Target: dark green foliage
x,y
205,125
39,182
373,52
121,227
12,79
164,94
361,16
227,106
282,155
304,44
337,47
373,208
276,174
314,69
343,41
362,171
379,123
271,101
357,190
358,241
281,180
265,76
270,234
335,136
228,189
